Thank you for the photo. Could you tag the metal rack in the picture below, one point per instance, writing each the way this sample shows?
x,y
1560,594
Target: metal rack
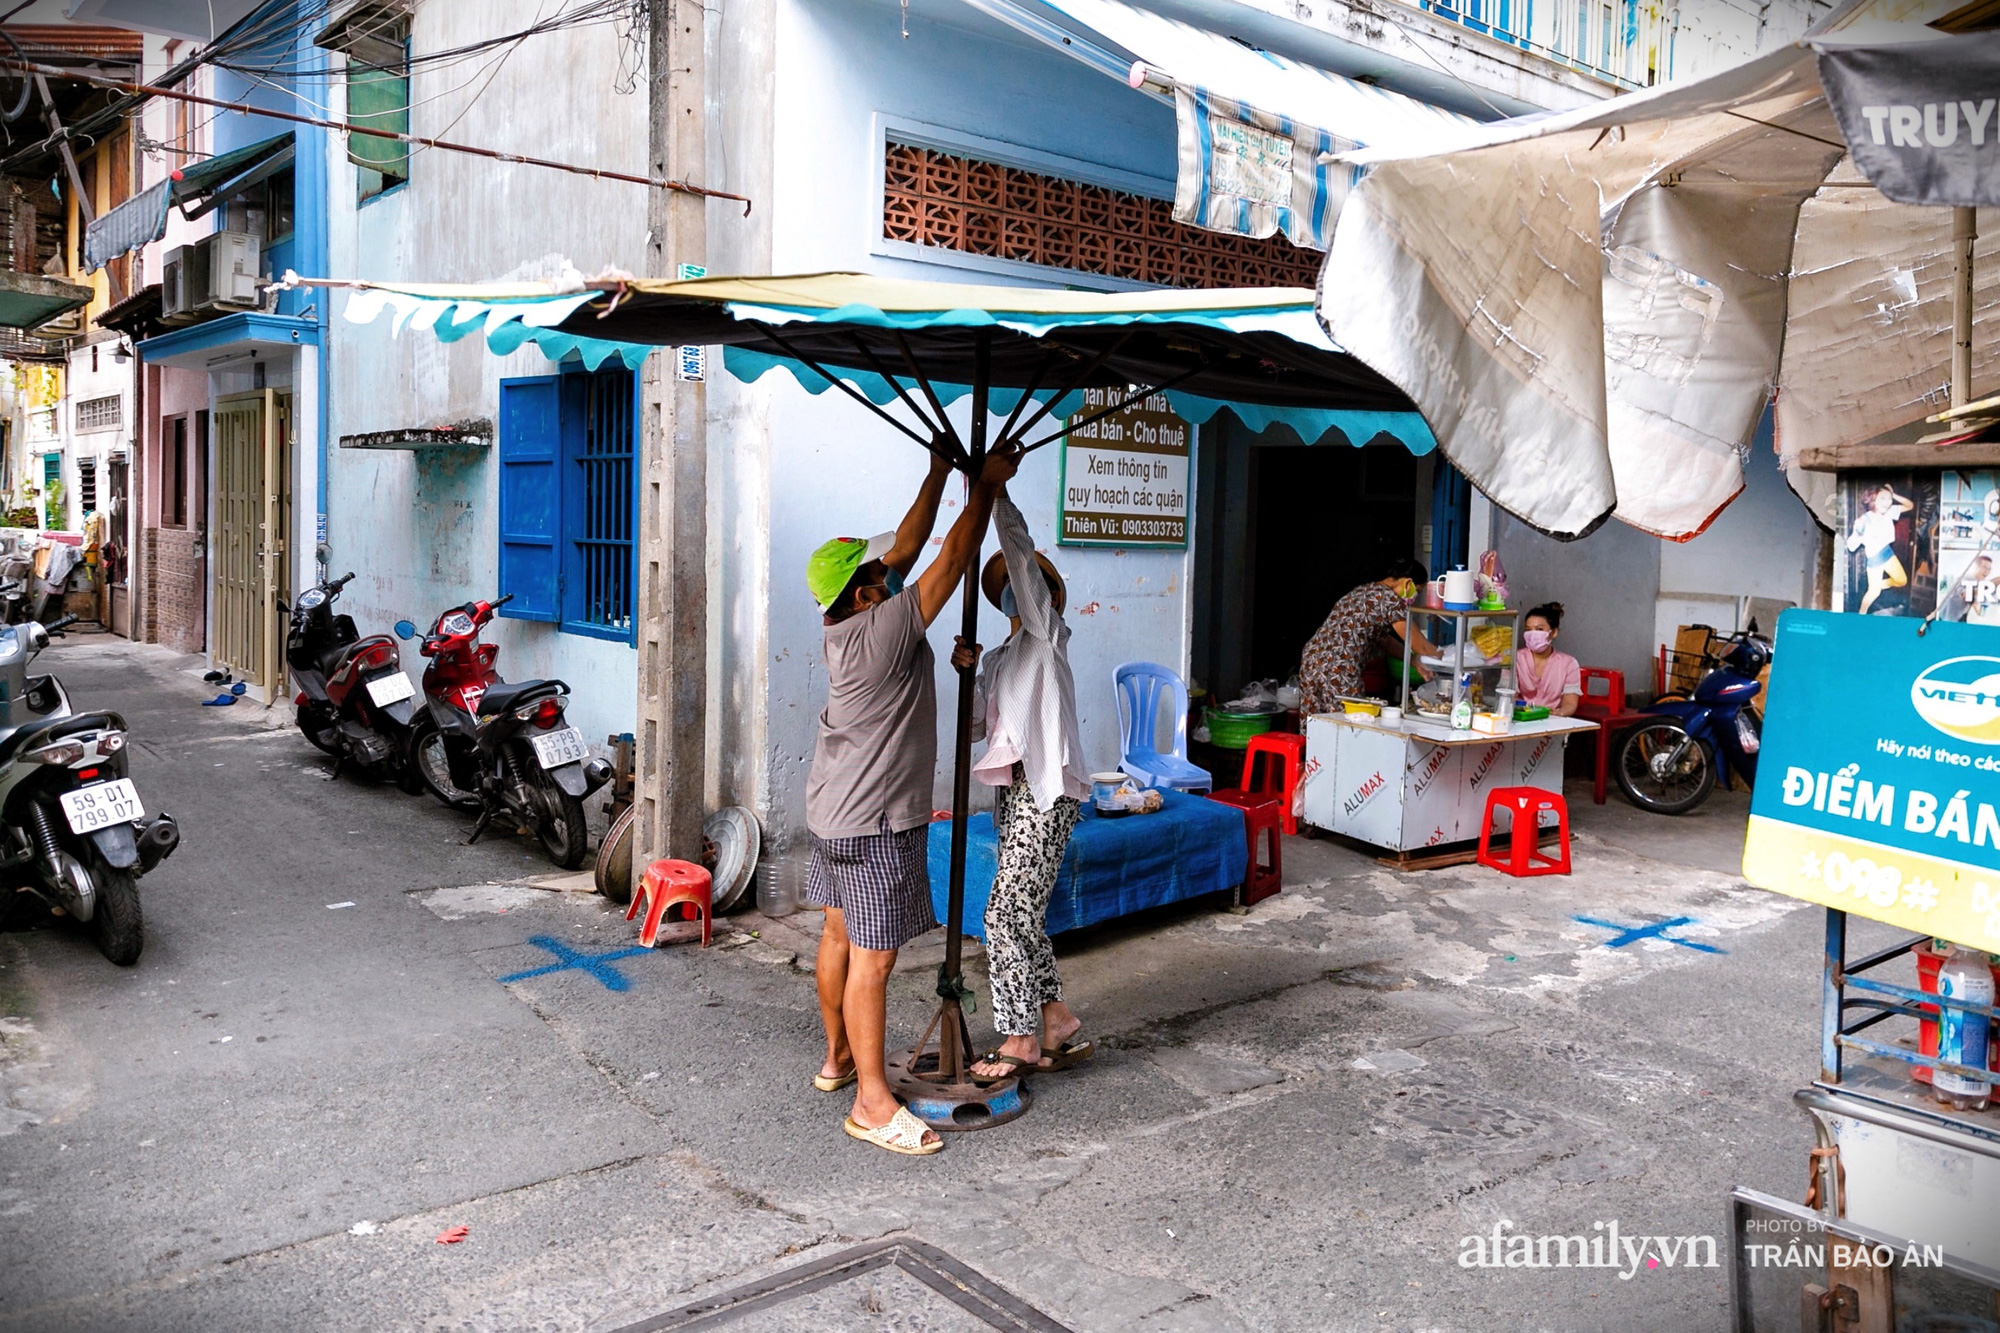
x,y
1459,621
1844,988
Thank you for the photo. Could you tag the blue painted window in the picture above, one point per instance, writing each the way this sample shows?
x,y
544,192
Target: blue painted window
x,y
567,500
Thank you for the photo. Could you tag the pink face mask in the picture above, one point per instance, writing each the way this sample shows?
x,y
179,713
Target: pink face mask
x,y
1538,640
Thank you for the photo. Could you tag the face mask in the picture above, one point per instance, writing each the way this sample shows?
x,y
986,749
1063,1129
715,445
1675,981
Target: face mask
x,y
1407,590
1538,640
1008,606
893,581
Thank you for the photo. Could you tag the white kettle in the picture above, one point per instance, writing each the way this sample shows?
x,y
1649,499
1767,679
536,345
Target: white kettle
x,y
1457,590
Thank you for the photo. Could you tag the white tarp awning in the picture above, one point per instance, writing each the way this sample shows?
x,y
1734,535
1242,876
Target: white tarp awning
x,y
1592,308
1256,129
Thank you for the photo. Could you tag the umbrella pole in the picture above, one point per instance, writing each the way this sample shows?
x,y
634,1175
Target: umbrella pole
x,y
1964,231
943,1094
954,1040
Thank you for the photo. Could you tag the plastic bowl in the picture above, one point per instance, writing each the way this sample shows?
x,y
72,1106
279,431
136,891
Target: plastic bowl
x,y
1232,731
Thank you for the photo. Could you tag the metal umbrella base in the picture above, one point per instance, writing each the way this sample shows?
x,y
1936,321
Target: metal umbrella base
x,y
937,1086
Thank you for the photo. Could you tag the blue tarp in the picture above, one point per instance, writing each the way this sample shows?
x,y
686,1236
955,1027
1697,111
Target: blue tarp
x,y
1113,867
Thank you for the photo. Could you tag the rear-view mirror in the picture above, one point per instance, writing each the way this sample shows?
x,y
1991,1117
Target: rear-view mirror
x,y
405,630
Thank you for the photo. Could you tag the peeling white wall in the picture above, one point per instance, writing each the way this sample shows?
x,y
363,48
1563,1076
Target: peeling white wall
x,y
420,528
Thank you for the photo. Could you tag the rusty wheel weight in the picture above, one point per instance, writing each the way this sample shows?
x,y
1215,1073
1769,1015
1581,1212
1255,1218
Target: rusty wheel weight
x,y
953,1106
614,858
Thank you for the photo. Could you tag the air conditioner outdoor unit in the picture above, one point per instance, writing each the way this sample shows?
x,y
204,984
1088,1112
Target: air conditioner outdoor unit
x,y
233,271
183,277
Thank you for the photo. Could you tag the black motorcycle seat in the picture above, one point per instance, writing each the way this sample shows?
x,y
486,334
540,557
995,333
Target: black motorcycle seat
x,y
501,697
43,732
330,660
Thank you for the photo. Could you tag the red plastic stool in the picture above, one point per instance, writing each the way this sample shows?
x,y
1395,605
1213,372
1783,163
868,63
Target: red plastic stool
x,y
670,884
1261,814
1524,855
1279,780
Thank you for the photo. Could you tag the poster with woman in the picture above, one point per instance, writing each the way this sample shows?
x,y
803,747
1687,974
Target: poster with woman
x,y
1889,541
1969,547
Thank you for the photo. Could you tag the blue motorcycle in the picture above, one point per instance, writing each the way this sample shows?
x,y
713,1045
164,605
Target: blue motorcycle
x,y
1670,766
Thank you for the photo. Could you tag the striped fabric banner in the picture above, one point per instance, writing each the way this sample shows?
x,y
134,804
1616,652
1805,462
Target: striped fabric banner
x,y
1251,173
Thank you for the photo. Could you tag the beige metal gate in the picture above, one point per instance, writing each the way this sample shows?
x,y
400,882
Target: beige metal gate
x,y
253,519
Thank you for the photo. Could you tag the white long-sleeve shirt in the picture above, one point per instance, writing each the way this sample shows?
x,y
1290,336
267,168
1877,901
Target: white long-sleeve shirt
x,y
1025,700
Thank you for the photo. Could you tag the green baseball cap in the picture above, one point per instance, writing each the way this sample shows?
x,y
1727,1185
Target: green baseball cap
x,y
829,568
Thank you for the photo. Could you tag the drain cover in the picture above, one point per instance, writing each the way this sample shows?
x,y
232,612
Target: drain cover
x,y
919,1285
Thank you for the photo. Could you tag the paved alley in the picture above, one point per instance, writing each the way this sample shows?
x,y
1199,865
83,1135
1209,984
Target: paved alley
x,y
350,1032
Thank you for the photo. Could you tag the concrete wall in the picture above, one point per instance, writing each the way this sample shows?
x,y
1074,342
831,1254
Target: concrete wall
x,y
173,569
420,528
94,373
1607,582
1763,545
835,469
1625,591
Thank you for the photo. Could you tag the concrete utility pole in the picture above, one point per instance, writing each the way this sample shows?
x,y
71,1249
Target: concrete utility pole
x,y
673,478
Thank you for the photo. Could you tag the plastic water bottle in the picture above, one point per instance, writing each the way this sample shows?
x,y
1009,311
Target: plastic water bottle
x,y
1461,711
776,882
1963,1037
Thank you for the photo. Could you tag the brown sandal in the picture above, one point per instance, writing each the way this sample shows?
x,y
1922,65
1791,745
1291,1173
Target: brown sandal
x,y
1072,1052
1000,1058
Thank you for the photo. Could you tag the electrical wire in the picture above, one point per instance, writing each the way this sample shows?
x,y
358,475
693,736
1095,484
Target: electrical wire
x,y
589,13
415,140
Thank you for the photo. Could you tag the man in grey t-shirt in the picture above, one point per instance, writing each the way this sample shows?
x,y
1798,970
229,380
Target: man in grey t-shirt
x,y
868,798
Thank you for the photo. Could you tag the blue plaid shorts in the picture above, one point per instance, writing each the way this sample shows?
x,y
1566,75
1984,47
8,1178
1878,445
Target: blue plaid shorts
x,y
881,883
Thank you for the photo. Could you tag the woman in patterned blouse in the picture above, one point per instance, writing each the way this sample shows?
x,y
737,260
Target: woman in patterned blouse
x,y
1334,657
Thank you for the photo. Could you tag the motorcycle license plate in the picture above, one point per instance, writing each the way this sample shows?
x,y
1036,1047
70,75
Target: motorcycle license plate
x,y
559,748
386,690
102,804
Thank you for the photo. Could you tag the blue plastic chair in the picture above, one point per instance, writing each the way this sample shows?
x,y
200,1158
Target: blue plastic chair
x,y
1140,686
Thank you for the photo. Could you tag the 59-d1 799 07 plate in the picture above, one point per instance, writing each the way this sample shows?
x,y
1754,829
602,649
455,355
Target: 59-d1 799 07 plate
x,y
102,804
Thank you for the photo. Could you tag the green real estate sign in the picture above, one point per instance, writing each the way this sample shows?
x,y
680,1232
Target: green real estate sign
x,y
1125,476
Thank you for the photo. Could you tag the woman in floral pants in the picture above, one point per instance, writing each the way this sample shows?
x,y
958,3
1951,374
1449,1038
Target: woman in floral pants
x,y
1019,958
1025,709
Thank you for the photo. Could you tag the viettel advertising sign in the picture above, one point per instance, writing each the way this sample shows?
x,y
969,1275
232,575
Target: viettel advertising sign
x,y
1878,788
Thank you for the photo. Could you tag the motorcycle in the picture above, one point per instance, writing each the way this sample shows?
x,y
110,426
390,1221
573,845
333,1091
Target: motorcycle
x,y
501,749
354,700
17,577
1670,766
13,601
73,831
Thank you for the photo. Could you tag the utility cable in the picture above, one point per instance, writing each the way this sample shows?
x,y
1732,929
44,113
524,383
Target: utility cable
x,y
415,140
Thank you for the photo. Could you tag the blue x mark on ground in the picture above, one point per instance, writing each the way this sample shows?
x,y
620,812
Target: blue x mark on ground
x,y
598,965
1624,935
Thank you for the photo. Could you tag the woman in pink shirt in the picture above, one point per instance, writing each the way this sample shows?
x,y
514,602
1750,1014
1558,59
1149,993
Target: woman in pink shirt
x,y
1541,674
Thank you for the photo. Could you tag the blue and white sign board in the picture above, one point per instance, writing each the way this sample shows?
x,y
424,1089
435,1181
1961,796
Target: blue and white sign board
x,y
1878,786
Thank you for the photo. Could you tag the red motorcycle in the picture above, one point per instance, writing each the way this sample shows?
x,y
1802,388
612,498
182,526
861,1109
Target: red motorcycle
x,y
484,744
353,699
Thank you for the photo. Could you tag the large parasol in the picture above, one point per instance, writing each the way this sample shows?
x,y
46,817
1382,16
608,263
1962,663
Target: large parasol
x,y
905,351
1592,309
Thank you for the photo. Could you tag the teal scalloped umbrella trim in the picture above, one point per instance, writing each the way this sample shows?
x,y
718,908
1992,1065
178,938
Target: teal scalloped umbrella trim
x,y
508,325
1313,424
1310,424
1027,321
751,366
